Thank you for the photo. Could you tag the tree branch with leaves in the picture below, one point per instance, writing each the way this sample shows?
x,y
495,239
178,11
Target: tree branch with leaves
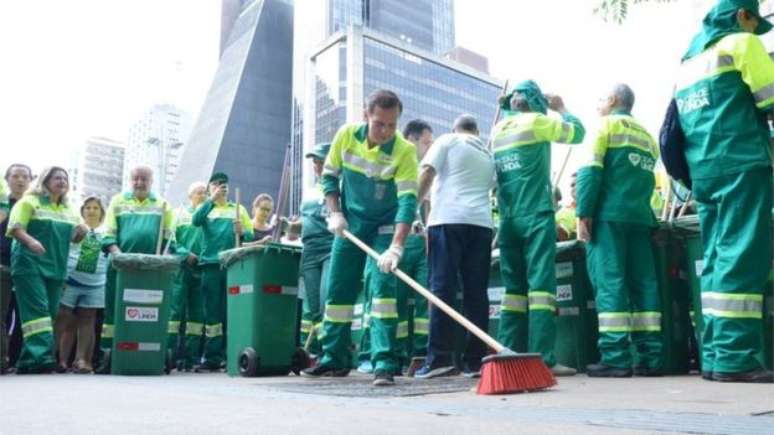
x,y
617,10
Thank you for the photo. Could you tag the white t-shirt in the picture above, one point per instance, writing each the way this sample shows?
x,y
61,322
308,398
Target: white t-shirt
x,y
465,173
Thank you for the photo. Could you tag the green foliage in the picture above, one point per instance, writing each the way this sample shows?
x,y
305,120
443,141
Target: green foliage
x,y
618,10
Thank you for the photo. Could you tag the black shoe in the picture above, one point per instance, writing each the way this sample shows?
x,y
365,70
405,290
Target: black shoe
x,y
759,376
707,376
383,379
59,369
648,372
324,371
207,368
605,371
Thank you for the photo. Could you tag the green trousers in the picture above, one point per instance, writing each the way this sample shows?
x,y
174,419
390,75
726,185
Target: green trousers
x,y
214,292
346,269
413,322
527,266
38,300
315,264
186,321
735,218
623,272
108,323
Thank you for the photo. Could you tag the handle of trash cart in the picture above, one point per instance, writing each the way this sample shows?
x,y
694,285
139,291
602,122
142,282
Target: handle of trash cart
x,y
161,229
237,237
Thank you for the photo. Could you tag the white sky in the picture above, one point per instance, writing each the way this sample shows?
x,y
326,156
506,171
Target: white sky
x,y
79,68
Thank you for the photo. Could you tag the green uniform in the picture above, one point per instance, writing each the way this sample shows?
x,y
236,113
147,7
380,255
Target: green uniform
x,y
725,87
187,307
133,226
38,279
411,333
315,263
217,225
527,234
615,191
378,189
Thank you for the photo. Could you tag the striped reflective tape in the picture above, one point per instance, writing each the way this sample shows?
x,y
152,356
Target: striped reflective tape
x,y
194,328
384,308
369,168
135,346
173,327
732,305
540,300
407,186
514,138
615,322
514,303
566,134
421,326
646,321
215,330
37,326
764,93
107,331
402,330
339,313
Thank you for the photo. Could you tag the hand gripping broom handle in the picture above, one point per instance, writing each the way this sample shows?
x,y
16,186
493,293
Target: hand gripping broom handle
x,y
467,324
161,229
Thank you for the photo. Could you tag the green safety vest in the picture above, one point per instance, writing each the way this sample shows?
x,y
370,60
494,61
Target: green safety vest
x,y
721,97
133,225
522,151
314,231
617,184
189,239
50,224
379,184
217,225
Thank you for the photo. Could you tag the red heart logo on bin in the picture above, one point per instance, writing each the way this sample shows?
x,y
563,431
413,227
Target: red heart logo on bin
x,y
132,312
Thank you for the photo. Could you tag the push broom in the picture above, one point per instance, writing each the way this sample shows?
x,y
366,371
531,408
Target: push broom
x,y
503,372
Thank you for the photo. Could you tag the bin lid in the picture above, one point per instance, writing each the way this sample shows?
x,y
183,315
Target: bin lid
x,y
230,256
145,262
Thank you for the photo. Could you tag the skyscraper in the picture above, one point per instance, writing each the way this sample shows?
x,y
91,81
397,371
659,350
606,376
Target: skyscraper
x,y
97,170
158,140
363,45
244,126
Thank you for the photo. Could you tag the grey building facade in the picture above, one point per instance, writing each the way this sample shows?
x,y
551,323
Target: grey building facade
x,y
244,126
351,65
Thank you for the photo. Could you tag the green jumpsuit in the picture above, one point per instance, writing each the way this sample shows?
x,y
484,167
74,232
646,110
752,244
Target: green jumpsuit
x,y
217,225
527,234
133,226
615,191
187,307
39,279
378,188
315,263
725,89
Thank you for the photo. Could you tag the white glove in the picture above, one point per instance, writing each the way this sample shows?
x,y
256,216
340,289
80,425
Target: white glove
x,y
337,223
390,258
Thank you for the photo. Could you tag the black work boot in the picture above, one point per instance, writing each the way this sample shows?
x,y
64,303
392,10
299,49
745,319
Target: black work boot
x,y
758,376
324,371
648,372
605,371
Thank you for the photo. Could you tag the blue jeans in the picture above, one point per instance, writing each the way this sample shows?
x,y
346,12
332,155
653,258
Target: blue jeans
x,y
458,252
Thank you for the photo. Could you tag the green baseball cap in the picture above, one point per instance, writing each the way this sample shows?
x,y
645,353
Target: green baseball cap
x,y
219,177
320,151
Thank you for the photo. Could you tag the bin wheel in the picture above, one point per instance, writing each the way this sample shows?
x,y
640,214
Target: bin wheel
x,y
169,362
248,362
300,361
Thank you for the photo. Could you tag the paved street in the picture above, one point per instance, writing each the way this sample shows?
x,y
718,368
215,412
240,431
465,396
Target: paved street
x,y
214,404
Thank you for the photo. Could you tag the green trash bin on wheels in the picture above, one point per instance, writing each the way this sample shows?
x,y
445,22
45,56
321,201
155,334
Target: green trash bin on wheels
x,y
674,289
576,316
143,295
690,235
261,303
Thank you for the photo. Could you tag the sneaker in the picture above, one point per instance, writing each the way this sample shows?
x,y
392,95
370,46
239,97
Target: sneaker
x,y
605,371
759,376
560,370
648,372
383,379
324,371
471,374
427,372
365,367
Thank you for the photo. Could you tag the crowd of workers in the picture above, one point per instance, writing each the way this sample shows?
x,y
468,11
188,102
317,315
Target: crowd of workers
x,y
374,184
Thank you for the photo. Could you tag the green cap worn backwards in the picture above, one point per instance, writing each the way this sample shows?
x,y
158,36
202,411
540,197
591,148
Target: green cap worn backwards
x,y
721,21
533,94
219,177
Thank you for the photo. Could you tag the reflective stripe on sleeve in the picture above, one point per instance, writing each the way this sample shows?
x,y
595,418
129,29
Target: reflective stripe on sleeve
x,y
37,326
339,313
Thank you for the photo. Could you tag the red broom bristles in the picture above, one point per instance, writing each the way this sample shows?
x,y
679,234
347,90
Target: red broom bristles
x,y
514,375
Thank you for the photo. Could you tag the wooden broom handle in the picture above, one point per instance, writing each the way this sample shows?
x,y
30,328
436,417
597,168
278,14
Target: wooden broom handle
x,y
237,238
161,228
467,324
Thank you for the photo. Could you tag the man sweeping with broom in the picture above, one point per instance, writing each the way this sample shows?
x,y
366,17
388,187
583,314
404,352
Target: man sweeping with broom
x,y
370,182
